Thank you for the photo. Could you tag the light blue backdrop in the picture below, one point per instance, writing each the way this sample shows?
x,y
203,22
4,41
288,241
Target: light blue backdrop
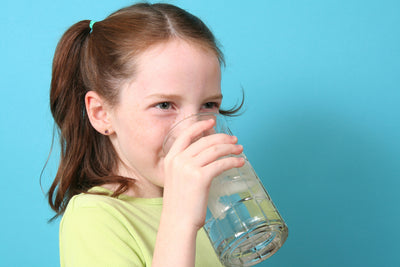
x,y
321,127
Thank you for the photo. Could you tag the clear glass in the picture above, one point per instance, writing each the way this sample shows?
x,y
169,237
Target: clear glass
x,y
242,222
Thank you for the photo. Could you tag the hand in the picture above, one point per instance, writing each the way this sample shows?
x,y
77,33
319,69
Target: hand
x,y
189,170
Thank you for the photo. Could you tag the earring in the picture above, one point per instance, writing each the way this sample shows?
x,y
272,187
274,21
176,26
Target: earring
x,y
106,132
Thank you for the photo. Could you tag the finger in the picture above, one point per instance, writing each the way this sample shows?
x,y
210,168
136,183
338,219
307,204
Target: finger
x,y
215,152
217,167
187,137
208,142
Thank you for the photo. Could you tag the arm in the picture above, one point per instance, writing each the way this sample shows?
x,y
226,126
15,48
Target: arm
x,y
189,170
176,243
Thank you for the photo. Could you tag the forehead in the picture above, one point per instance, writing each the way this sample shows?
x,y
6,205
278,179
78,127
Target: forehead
x,y
176,49
177,59
176,67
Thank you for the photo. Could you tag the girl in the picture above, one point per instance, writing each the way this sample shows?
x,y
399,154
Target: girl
x,y
117,87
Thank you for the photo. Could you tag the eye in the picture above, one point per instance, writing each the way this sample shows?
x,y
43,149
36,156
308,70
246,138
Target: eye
x,y
164,105
211,105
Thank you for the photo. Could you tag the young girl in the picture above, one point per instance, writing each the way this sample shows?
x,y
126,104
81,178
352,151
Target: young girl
x,y
118,85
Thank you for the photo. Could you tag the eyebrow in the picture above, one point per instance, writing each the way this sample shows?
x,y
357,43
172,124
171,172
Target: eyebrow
x,y
164,96
174,96
218,96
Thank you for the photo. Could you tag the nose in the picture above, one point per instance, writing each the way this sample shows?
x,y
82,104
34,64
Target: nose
x,y
188,112
183,115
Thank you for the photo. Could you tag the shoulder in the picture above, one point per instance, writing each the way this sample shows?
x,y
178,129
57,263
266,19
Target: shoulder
x,y
90,201
94,230
93,210
100,202
124,216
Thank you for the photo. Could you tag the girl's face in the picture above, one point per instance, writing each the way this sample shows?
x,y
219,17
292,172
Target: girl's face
x,y
173,80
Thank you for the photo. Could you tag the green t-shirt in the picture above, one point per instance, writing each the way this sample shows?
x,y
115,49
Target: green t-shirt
x,y
102,231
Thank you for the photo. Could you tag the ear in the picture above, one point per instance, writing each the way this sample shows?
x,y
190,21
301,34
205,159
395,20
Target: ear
x,y
98,113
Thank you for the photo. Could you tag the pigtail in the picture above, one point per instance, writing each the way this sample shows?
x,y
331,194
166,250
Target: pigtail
x,y
68,110
87,158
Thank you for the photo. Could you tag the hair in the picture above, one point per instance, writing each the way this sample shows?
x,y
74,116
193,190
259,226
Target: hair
x,y
100,58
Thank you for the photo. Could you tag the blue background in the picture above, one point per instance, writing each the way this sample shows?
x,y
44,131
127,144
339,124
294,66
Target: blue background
x,y
321,127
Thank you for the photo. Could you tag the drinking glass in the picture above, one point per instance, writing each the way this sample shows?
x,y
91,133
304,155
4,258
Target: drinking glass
x,y
242,222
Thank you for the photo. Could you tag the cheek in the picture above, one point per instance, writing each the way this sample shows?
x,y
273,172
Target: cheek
x,y
141,138
144,139
155,130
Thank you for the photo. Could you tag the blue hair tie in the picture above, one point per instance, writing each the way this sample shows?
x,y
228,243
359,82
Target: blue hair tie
x,y
92,22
